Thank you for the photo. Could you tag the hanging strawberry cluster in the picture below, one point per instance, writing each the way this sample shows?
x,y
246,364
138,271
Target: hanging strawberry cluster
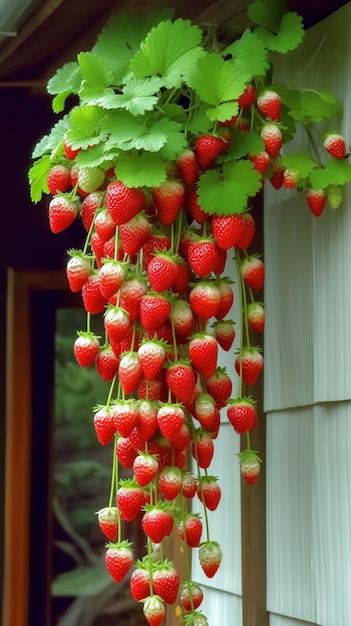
x,y
171,137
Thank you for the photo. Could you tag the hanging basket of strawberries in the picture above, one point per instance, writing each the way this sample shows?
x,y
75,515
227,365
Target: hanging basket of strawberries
x,y
171,138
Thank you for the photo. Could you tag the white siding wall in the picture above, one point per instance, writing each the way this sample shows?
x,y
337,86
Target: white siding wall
x,y
308,375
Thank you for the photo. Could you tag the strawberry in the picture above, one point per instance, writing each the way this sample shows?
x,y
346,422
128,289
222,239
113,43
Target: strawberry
x,y
93,300
104,225
203,353
58,179
253,272
182,319
116,323
181,283
192,206
248,97
130,295
181,440
255,316
119,559
249,231
261,161
106,363
162,270
86,348
209,491
152,356
250,465
104,425
334,144
226,297
208,148
122,202
269,104
316,199
154,311
62,213
204,299
109,521
180,379
154,610
190,529
153,389
334,196
157,241
272,137
210,557
291,177
90,205
111,276
227,230
170,482
157,521
125,416
130,499
242,414
189,486
145,468
168,198
203,256
70,152
224,333
187,166
277,176
202,448
191,595
219,386
134,234
170,419
97,247
78,269
129,371
249,363
204,411
147,418
90,178
139,583
165,581
126,452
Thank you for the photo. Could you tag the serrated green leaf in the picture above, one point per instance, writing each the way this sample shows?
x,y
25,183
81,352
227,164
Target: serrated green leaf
x,y
138,96
128,132
223,112
217,81
66,80
96,156
37,176
316,106
249,54
95,70
289,36
335,172
169,50
50,144
228,194
267,13
85,127
245,143
141,170
200,122
301,162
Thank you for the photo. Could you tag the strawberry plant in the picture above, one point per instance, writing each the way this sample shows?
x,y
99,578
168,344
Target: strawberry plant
x,y
172,135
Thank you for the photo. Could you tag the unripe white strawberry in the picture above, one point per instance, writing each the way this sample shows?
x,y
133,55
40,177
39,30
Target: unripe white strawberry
x,y
334,196
90,178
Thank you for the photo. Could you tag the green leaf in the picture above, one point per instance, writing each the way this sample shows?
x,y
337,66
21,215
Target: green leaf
x,y
82,581
50,144
141,170
37,176
316,106
66,81
289,36
85,127
95,70
335,172
169,51
217,81
228,194
200,122
127,132
268,13
223,112
301,162
249,54
138,96
97,155
245,143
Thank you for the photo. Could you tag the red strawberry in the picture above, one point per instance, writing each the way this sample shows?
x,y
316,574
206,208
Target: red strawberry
x,y
97,247
181,283
181,440
78,269
250,364
90,205
188,168
86,348
227,230
204,299
210,557
162,271
272,137
153,390
104,425
170,482
111,276
242,414
139,583
157,521
203,256
129,371
130,499
316,199
62,213
117,323
59,179
125,416
226,297
119,559
203,353
190,529
189,486
170,419
152,356
192,206
93,300
250,465
104,225
202,448
145,468
168,198
277,176
183,319
187,237
334,144
191,595
249,231
209,491
165,581
261,161
126,452
157,242
253,272
109,521
224,333
147,418
204,411
154,610
130,296
180,379
248,97
70,152
134,234
256,316
290,178
269,104
208,148
123,202
219,386
106,363
154,311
